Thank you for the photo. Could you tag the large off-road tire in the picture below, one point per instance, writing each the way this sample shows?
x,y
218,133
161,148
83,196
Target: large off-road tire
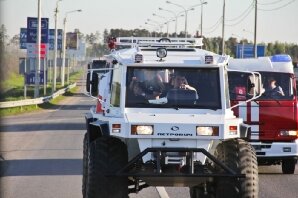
x,y
106,156
238,155
288,166
85,164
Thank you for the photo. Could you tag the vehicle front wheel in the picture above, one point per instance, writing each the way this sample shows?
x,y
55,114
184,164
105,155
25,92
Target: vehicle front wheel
x,y
288,166
238,155
106,156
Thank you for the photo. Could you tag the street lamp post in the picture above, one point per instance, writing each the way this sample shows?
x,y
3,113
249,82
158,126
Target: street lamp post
x,y
153,26
64,45
202,3
185,28
157,23
55,49
175,16
186,12
166,21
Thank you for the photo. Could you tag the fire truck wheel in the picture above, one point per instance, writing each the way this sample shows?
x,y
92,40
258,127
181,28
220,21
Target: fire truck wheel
x,y
106,156
85,164
238,155
288,166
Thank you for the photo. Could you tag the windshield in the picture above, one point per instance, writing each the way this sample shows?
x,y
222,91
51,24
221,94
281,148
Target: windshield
x,y
153,87
274,86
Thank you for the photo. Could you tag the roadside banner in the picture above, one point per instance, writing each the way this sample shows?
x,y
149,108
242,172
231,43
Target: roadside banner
x,y
72,40
52,39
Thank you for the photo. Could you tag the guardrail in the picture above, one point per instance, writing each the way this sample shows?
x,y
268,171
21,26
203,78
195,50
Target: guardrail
x,y
35,101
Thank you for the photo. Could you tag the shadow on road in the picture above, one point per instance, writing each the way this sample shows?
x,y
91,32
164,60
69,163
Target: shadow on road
x,y
43,127
35,167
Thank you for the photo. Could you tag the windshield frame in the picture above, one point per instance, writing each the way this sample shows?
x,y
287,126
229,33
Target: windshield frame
x,y
215,71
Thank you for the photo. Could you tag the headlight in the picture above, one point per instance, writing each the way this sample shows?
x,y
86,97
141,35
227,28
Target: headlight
x,y
141,129
207,130
288,133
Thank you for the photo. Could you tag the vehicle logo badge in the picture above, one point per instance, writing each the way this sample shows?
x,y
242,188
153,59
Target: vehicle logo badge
x,y
175,128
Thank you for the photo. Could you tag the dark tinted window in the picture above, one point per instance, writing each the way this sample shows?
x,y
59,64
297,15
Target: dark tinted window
x,y
170,87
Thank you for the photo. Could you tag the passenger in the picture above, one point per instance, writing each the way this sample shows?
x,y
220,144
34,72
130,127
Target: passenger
x,y
180,82
137,94
182,92
153,85
273,90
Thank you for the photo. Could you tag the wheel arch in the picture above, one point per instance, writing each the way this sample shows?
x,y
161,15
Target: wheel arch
x,y
96,128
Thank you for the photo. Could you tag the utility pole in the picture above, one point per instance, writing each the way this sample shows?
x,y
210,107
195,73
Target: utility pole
x,y
64,50
37,68
223,28
255,33
55,49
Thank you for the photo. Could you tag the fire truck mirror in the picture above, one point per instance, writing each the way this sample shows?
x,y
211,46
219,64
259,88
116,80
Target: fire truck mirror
x,y
91,84
253,85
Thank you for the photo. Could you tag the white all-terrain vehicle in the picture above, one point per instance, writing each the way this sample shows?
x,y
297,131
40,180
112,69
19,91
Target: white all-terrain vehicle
x,y
163,118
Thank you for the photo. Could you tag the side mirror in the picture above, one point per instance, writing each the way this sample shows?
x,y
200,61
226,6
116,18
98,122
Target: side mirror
x,y
255,86
92,83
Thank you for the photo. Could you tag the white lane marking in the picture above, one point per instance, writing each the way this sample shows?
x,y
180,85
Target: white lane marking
x,y
162,192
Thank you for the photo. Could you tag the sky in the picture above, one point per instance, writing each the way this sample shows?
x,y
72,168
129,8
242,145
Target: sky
x,y
276,19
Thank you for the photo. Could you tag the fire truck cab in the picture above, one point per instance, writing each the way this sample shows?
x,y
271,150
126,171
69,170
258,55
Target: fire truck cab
x,y
273,116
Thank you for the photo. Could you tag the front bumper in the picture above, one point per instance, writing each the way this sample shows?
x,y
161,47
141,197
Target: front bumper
x,y
190,177
275,149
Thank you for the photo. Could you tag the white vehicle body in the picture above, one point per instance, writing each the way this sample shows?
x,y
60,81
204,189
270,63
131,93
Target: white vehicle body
x,y
164,115
164,119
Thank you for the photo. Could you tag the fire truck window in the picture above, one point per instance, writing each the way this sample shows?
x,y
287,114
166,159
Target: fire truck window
x,y
277,86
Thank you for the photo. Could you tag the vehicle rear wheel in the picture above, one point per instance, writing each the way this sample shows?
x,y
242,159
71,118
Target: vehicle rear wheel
x,y
288,166
107,155
238,155
85,164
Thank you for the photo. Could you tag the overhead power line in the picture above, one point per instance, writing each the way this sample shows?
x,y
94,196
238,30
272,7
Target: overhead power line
x,y
244,13
241,19
271,3
277,8
214,27
216,24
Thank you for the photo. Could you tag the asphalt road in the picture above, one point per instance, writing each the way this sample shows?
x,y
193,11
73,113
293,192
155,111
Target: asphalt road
x,y
43,157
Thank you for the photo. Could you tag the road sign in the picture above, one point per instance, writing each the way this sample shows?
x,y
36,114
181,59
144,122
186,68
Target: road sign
x,y
23,38
247,51
52,39
32,29
32,50
30,78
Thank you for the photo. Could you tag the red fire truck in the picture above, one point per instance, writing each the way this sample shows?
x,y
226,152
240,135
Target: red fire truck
x,y
273,117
